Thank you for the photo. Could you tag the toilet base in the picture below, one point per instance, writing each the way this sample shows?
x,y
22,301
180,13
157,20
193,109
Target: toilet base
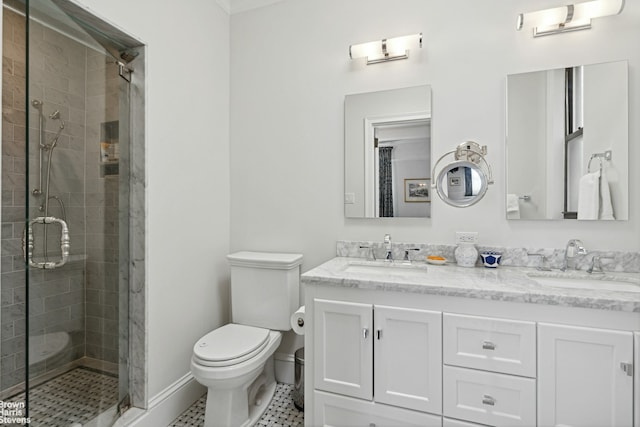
x,y
244,406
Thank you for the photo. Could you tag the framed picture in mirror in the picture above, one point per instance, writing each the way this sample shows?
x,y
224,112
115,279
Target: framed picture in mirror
x,y
416,190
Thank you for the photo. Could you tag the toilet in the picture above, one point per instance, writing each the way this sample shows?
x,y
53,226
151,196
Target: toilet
x,y
235,362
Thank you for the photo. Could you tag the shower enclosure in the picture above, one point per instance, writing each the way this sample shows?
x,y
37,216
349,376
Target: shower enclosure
x,y
71,173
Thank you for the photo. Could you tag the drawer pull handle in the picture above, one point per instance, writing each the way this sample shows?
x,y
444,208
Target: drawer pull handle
x,y
488,345
365,333
488,400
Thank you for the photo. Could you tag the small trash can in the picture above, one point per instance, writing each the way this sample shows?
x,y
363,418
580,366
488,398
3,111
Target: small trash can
x,y
298,386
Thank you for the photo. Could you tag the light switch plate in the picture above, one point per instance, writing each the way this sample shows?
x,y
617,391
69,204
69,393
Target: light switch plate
x,y
349,198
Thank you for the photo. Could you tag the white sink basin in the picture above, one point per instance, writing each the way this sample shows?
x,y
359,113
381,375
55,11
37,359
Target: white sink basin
x,y
387,268
587,283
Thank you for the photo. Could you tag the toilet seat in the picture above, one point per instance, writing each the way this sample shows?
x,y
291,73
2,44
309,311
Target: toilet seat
x,y
230,344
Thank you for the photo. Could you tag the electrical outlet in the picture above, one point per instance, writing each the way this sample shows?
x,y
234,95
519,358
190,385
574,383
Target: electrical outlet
x,y
466,237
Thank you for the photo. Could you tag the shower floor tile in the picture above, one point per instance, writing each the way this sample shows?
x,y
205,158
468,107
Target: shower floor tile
x,y
74,397
280,413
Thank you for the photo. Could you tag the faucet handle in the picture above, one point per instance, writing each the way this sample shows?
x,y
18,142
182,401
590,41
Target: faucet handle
x,y
372,254
544,262
406,253
596,264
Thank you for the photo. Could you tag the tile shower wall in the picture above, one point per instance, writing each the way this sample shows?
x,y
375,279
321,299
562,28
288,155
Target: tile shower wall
x,y
81,297
102,190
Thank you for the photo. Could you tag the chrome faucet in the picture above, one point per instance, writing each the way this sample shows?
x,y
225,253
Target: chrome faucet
x,y
573,249
387,246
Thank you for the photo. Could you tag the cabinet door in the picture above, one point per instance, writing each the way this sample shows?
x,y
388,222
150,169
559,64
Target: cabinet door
x,y
408,358
343,345
636,380
580,378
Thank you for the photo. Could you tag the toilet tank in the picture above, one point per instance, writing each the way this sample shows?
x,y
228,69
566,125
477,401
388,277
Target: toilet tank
x,y
265,288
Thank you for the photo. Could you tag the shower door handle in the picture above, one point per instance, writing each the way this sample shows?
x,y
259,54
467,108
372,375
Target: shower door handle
x,y
28,243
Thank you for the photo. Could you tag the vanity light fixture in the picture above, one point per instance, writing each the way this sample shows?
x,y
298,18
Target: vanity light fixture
x,y
572,17
386,49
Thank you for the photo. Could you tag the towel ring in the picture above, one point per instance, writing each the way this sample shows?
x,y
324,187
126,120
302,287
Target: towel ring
x,y
593,156
606,155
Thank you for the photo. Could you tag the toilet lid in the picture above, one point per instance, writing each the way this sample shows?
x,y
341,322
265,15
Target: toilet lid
x,y
230,344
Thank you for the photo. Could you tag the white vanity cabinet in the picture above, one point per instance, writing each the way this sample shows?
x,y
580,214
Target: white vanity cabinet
x,y
384,355
585,376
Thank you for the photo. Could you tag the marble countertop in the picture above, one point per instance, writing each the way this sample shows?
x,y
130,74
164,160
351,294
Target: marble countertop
x,y
513,284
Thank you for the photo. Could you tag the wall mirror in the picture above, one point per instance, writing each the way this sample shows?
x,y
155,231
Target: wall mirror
x,y
388,153
567,143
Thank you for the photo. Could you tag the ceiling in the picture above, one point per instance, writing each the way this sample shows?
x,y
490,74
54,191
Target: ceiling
x,y
237,6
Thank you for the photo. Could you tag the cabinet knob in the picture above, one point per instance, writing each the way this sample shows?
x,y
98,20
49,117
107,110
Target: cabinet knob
x,y
627,368
488,345
365,333
488,400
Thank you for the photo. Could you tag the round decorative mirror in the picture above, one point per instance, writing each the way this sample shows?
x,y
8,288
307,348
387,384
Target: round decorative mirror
x,y
464,181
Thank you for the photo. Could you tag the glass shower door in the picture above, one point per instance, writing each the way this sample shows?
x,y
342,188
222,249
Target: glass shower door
x,y
69,318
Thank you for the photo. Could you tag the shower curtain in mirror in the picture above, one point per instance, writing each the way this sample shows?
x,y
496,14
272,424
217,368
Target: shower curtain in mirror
x,y
386,182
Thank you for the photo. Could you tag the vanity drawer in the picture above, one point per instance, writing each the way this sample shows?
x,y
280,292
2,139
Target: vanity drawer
x,y
335,410
450,422
489,398
499,345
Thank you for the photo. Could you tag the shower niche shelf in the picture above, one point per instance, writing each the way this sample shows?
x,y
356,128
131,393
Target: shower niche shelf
x,y
109,148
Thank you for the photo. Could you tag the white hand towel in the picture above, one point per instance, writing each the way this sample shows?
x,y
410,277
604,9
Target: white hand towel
x,y
589,196
606,208
513,206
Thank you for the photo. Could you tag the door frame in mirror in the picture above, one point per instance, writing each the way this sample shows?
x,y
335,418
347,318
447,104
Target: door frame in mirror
x,y
370,161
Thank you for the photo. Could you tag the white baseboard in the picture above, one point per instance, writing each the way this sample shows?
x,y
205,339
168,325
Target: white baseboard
x,y
167,405
285,366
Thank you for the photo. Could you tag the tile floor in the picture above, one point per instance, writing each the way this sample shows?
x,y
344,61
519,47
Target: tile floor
x,y
72,398
280,413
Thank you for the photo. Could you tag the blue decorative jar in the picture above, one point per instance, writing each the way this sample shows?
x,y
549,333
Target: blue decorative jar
x,y
491,259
